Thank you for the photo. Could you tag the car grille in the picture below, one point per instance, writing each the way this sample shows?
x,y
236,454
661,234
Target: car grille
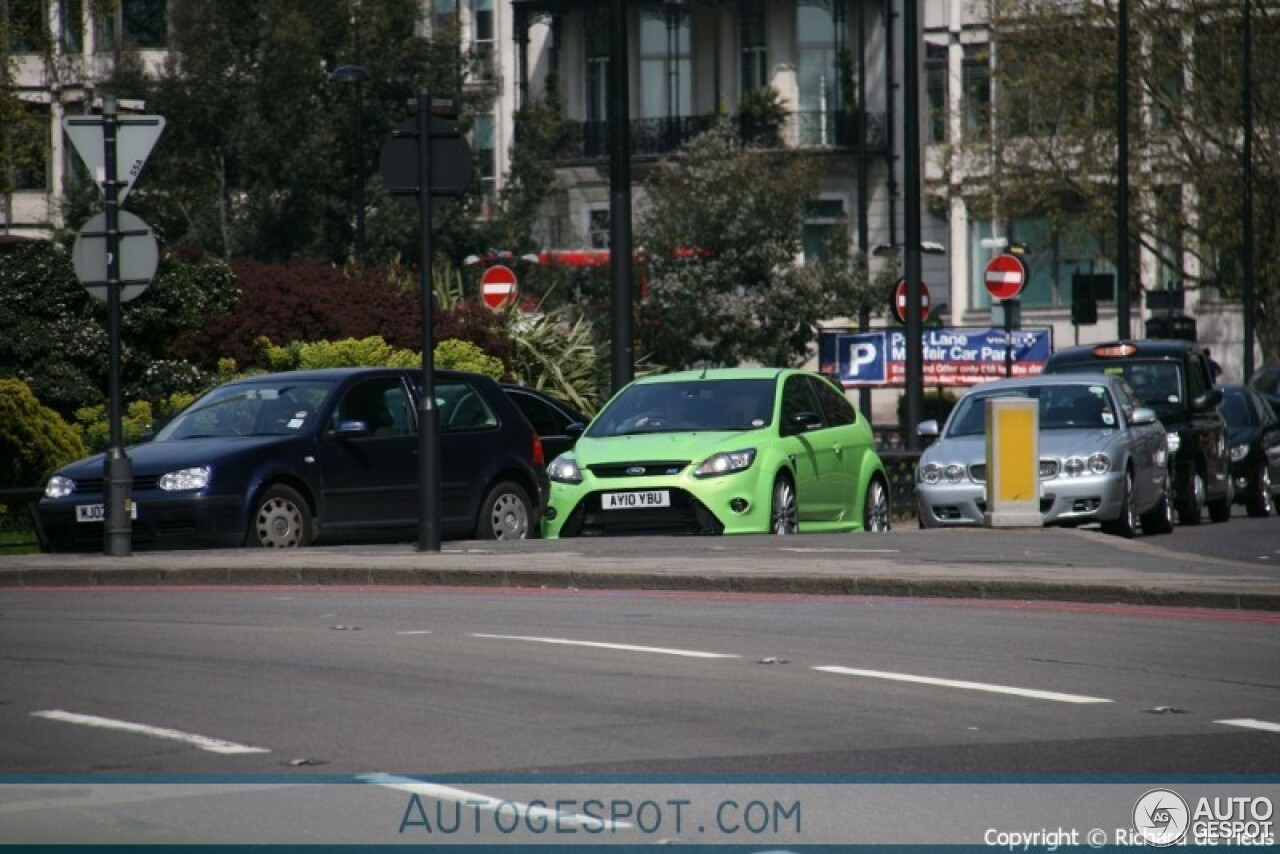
x,y
1049,468
91,485
664,468
686,515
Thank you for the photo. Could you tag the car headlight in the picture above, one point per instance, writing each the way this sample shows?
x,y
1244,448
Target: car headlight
x,y
1099,463
1173,442
1239,452
1073,466
184,480
929,473
954,473
727,462
564,469
59,487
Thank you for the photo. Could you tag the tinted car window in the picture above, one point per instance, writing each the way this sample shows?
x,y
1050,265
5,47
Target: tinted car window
x,y
380,403
797,397
835,406
243,409
685,406
545,418
461,407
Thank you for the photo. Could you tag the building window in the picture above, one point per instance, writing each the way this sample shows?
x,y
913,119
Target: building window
x,y
821,218
71,25
133,24
666,64
1060,248
597,53
29,150
482,143
598,225
976,79
820,37
753,36
25,23
482,29
444,14
935,72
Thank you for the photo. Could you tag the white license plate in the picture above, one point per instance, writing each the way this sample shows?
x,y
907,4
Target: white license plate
x,y
98,512
635,500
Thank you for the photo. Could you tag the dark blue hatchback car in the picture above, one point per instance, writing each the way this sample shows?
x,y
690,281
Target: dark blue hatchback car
x,y
294,458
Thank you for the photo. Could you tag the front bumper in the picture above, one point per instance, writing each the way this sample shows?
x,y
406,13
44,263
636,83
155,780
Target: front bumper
x,y
163,521
730,504
1063,501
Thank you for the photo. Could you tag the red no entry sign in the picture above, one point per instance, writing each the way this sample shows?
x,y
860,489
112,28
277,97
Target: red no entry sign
x,y
498,287
1005,276
900,301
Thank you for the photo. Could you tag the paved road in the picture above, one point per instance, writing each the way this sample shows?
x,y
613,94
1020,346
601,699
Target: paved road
x,y
1062,564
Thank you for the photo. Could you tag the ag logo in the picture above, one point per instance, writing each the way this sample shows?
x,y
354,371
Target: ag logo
x,y
1161,817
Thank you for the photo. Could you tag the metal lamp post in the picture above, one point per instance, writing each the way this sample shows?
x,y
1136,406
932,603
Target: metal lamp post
x,y
359,76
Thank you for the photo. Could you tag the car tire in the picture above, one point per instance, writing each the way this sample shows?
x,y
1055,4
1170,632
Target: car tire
x,y
1127,523
875,507
784,511
281,519
1220,509
1190,506
1160,519
505,514
1262,503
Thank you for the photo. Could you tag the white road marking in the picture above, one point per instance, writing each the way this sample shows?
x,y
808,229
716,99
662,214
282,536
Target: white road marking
x,y
416,632
1251,723
213,745
476,800
971,686
687,653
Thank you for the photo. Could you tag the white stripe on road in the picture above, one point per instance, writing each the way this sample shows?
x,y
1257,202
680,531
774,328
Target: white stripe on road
x,y
416,632
213,745
1251,723
971,686
475,800
687,653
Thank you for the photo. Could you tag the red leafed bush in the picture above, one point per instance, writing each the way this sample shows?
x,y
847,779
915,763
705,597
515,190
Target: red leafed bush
x,y
309,301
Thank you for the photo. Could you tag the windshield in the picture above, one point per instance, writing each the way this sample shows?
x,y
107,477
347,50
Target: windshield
x,y
671,407
249,409
1157,384
1087,406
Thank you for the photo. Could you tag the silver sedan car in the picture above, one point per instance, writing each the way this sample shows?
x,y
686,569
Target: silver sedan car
x,y
1103,456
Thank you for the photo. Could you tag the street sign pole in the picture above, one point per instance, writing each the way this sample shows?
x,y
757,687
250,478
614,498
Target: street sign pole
x,y
119,469
429,489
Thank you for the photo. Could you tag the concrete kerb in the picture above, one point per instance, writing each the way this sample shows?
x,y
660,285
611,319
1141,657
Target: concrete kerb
x,y
689,581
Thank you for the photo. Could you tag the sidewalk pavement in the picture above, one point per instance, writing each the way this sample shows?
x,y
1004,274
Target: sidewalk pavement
x,y
1027,564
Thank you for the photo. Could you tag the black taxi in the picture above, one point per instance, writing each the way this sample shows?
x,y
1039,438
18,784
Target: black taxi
x,y
1172,377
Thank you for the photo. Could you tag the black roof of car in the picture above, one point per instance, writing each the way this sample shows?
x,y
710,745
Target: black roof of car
x,y
1148,347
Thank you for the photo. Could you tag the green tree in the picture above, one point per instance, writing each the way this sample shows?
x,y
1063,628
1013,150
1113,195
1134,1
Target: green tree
x,y
722,230
54,335
34,440
1050,149
260,151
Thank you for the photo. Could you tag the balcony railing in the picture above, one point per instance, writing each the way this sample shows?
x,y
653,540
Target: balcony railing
x,y
655,137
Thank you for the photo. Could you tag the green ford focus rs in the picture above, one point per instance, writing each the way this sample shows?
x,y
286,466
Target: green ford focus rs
x,y
721,451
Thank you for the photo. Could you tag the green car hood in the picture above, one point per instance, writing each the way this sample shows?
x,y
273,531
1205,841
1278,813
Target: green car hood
x,y
694,447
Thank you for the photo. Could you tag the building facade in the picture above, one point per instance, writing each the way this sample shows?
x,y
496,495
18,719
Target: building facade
x,y
835,66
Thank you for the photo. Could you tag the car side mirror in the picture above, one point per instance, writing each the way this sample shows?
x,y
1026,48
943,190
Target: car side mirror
x,y
574,429
928,429
1209,400
1143,415
803,421
351,429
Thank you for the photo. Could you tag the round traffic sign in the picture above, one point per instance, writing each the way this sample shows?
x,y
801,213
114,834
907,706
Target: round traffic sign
x,y
139,256
498,287
900,301
1005,276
